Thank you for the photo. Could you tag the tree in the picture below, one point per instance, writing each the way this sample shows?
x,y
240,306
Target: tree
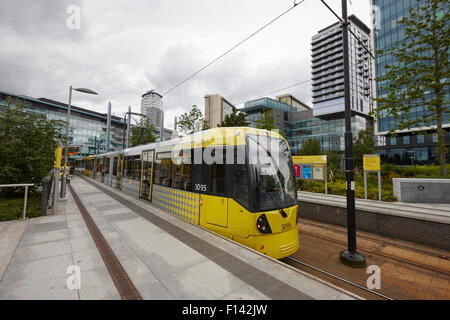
x,y
363,144
267,121
417,84
143,133
235,119
311,147
192,122
28,144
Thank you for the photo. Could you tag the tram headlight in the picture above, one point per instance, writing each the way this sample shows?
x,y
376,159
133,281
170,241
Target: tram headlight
x,y
263,225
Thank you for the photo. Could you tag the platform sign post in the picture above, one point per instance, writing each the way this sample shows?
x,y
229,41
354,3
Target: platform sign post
x,y
372,163
56,177
311,168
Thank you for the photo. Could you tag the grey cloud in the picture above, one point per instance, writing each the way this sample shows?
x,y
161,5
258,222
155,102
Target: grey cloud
x,y
125,48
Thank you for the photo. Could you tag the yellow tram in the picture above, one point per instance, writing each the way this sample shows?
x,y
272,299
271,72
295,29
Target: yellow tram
x,y
237,182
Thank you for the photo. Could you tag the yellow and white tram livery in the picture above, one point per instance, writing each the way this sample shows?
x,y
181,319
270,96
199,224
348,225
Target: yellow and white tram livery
x,y
237,182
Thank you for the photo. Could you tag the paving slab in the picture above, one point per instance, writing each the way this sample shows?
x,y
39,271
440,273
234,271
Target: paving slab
x,y
10,234
42,251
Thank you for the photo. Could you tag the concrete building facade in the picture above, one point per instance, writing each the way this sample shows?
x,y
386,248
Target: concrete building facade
x,y
327,59
216,108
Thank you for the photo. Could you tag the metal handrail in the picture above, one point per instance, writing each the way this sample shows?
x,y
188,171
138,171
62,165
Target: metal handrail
x,y
25,198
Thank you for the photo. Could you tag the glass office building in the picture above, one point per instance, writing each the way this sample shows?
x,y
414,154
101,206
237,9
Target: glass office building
x,y
152,107
300,125
330,132
87,128
407,147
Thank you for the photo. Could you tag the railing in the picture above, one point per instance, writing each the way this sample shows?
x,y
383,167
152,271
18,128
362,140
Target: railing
x,y
25,198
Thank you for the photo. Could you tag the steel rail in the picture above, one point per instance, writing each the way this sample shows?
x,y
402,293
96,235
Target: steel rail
x,y
339,278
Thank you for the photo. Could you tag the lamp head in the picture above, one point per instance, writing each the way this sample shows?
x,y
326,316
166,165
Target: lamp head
x,y
85,90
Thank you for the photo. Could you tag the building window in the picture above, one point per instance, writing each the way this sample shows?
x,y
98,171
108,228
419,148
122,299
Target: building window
x,y
393,141
420,138
405,139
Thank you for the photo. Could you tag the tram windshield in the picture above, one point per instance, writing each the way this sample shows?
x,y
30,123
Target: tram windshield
x,y
271,161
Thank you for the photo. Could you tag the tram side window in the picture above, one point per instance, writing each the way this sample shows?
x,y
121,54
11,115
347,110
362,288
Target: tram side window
x,y
166,172
240,185
183,177
115,166
163,169
218,178
132,168
107,165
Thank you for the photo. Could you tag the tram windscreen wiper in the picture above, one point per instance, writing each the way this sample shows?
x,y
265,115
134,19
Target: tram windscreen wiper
x,y
283,213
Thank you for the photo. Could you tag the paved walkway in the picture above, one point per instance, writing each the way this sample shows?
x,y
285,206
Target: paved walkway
x,y
36,254
164,257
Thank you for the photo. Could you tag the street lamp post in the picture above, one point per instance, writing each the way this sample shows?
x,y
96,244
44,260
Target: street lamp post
x,y
66,153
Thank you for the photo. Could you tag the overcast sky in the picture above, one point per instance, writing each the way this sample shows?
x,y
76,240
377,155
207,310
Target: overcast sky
x,y
124,48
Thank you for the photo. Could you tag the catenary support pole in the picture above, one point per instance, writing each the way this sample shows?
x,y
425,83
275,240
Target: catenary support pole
x,y
108,127
350,256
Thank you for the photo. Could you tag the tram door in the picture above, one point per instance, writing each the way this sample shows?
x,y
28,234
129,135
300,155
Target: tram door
x,y
119,172
145,190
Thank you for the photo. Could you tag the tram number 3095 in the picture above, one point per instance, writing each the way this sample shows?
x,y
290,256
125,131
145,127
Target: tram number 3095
x,y
200,187
286,226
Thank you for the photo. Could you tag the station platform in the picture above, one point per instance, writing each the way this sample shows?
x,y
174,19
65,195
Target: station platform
x,y
126,248
421,223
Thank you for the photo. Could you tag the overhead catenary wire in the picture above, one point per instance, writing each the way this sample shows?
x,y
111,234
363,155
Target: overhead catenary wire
x,y
275,91
234,47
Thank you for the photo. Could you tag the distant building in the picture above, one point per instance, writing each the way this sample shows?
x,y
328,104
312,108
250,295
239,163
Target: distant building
x,y
216,108
255,111
87,128
152,107
292,101
298,124
328,70
167,134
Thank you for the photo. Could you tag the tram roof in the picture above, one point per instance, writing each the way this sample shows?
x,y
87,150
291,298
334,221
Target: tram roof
x,y
228,136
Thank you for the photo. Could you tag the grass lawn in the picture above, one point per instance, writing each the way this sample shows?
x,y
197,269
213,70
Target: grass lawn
x,y
11,207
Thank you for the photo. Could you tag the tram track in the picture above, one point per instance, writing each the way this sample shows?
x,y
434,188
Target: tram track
x,y
408,271
378,252
347,282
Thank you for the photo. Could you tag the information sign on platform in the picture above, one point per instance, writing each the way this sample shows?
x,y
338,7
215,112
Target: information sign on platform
x,y
372,163
318,172
306,171
311,168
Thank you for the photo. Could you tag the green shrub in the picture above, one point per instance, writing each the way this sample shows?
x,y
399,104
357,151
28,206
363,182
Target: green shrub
x,y
337,184
11,207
